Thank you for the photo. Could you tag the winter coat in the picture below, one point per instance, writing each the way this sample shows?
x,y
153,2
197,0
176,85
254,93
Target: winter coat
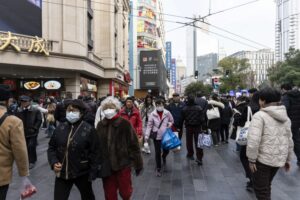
x,y
145,113
215,124
241,117
270,138
119,147
291,101
12,148
154,122
176,111
193,115
226,114
134,118
82,156
32,120
201,102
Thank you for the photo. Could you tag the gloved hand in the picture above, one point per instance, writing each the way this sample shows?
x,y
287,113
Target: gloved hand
x,y
170,125
138,172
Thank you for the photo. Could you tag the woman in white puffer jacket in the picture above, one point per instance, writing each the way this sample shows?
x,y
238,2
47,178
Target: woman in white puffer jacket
x,y
270,144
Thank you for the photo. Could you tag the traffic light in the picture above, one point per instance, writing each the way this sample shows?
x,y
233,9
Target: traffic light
x,y
196,74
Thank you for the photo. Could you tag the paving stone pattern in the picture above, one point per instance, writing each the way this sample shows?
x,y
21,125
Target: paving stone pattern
x,y
220,178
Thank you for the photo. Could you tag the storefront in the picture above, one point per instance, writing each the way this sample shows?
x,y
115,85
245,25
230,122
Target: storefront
x,y
117,89
88,85
35,88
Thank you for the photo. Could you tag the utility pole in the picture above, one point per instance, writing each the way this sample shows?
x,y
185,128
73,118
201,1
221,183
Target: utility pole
x,y
195,44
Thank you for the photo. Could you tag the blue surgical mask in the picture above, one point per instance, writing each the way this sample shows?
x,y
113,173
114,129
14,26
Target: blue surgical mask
x,y
73,117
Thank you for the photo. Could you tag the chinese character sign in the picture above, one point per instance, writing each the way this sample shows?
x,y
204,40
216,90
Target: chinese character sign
x,y
168,55
173,72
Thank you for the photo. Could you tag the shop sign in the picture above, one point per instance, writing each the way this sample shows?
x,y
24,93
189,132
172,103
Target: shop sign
x,y
47,84
32,85
37,45
52,85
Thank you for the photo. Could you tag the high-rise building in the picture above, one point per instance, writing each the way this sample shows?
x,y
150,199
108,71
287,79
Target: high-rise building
x,y
260,61
287,27
180,74
191,52
205,65
150,35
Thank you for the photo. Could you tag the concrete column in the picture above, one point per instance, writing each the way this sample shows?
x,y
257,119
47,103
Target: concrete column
x,y
73,85
103,87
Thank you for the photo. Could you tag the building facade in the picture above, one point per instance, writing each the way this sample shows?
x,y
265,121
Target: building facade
x,y
150,37
260,61
205,65
87,42
287,27
180,74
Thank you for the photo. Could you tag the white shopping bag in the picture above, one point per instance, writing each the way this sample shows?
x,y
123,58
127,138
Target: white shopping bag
x,y
178,148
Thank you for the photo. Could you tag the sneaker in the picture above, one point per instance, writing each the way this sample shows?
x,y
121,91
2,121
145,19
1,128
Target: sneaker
x,y
148,151
158,173
31,165
190,157
216,145
199,162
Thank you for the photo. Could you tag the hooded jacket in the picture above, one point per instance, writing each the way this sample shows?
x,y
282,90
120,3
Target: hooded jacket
x,y
270,137
154,122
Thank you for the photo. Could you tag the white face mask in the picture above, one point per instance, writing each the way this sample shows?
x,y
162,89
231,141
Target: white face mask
x,y
73,117
110,113
160,108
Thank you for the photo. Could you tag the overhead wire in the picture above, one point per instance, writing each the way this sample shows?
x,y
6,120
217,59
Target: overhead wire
x,y
210,14
184,24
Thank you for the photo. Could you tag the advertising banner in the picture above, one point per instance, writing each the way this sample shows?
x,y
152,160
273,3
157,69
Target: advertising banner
x,y
168,55
21,16
173,72
149,75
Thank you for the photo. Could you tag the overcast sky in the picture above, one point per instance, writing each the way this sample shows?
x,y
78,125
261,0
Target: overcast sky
x,y
255,21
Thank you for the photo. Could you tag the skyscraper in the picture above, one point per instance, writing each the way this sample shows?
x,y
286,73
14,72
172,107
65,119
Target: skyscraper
x,y
287,27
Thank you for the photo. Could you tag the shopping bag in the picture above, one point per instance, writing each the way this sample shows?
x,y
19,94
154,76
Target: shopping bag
x,y
204,140
242,132
170,140
27,189
213,113
179,147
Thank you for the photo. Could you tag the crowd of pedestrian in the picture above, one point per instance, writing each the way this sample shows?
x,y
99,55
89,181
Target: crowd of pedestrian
x,y
105,139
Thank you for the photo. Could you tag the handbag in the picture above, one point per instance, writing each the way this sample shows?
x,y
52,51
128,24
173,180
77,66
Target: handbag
x,y
213,113
204,140
170,140
232,128
153,134
242,132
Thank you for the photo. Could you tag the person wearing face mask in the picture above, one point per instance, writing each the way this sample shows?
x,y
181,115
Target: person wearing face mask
x,y
12,145
32,120
119,149
160,119
73,154
132,114
146,109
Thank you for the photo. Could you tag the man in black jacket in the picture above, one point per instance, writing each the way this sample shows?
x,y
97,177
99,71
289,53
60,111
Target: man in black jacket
x,y
291,100
175,109
32,120
194,117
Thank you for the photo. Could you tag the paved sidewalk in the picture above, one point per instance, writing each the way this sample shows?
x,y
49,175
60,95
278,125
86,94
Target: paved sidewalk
x,y
220,178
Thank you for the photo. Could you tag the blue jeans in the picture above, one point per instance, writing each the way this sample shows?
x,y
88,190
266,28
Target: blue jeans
x,y
50,130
